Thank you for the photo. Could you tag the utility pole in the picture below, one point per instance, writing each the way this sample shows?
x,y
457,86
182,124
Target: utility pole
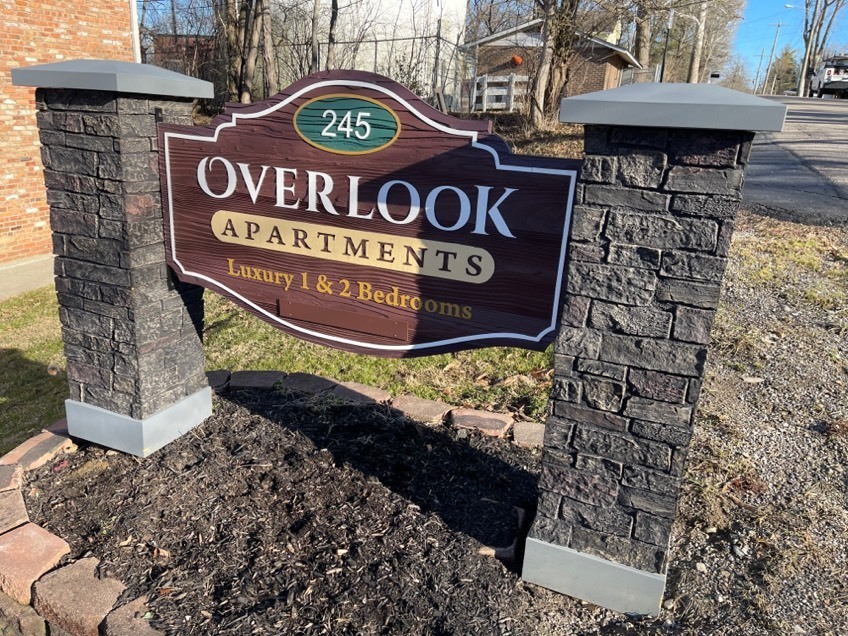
x,y
771,56
759,67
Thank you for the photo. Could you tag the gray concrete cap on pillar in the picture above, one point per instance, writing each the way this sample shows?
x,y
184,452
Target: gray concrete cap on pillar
x,y
112,75
704,106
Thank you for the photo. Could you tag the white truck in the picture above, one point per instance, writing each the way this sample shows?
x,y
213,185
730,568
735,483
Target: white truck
x,y
830,78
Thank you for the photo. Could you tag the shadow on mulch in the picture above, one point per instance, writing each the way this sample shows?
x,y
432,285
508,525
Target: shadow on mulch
x,y
438,469
293,514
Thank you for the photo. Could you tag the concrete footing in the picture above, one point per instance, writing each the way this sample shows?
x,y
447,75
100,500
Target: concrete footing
x,y
138,437
590,578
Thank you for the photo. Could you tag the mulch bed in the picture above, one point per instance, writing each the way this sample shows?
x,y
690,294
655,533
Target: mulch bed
x,y
294,514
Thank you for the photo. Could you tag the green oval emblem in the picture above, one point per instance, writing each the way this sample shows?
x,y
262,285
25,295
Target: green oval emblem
x,y
346,124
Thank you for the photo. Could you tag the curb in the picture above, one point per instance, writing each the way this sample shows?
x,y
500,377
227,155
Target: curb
x,y
37,598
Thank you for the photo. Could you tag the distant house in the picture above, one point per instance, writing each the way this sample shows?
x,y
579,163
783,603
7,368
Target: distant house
x,y
194,55
598,62
188,54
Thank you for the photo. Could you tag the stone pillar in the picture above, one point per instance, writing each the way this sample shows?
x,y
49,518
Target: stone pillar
x,y
132,333
659,188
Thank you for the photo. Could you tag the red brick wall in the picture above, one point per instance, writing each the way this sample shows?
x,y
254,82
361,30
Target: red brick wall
x,y
594,69
38,32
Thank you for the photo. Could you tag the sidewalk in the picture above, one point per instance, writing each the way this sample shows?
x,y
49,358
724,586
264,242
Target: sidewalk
x,y
24,275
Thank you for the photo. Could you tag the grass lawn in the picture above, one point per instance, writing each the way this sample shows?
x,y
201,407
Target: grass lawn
x,y
32,389
499,378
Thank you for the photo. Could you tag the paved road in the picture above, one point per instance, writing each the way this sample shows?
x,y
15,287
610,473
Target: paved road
x,y
801,174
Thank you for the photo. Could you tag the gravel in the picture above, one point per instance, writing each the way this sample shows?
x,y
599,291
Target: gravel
x,y
764,508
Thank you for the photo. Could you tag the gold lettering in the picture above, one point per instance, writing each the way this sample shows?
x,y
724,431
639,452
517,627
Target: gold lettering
x,y
449,309
422,257
364,291
270,276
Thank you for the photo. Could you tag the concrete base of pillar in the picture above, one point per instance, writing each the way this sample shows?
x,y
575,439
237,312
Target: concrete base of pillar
x,y
590,578
138,437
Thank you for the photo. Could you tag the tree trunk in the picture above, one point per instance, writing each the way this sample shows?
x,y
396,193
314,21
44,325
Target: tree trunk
x,y
268,50
543,72
141,28
233,28
331,40
174,20
556,85
698,47
643,35
254,27
809,39
313,62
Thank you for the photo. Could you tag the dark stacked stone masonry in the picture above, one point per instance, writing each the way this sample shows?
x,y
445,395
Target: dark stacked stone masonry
x,y
132,333
650,234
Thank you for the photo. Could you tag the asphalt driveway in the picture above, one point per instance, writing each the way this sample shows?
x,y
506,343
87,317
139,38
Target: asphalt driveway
x,y
801,174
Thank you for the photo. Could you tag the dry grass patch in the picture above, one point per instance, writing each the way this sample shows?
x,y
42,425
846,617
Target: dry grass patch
x,y
808,264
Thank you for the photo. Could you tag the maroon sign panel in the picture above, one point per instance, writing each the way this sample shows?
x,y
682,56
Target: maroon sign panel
x,y
348,212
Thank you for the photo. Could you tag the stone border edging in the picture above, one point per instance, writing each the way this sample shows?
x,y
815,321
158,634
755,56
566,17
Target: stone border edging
x,y
35,594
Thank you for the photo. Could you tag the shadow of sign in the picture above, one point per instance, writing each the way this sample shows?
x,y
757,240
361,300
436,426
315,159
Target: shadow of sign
x,y
471,489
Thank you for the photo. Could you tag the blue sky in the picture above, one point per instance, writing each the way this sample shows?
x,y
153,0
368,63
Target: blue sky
x,y
755,33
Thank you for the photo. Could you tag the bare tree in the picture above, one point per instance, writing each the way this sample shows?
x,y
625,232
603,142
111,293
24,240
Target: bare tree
x,y
331,36
558,36
252,31
314,61
819,18
543,71
486,17
269,59
242,26
698,46
643,33
720,30
736,75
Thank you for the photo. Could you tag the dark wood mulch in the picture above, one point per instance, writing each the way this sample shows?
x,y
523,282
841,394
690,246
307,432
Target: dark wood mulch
x,y
289,514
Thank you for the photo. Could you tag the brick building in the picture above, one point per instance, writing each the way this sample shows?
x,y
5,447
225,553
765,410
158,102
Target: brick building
x,y
597,63
38,32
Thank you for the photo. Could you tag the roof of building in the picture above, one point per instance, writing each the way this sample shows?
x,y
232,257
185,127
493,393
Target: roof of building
x,y
519,36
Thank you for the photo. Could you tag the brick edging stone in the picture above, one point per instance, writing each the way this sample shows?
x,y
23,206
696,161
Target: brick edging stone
x,y
72,599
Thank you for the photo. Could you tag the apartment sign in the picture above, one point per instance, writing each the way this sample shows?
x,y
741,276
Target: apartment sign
x,y
348,212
